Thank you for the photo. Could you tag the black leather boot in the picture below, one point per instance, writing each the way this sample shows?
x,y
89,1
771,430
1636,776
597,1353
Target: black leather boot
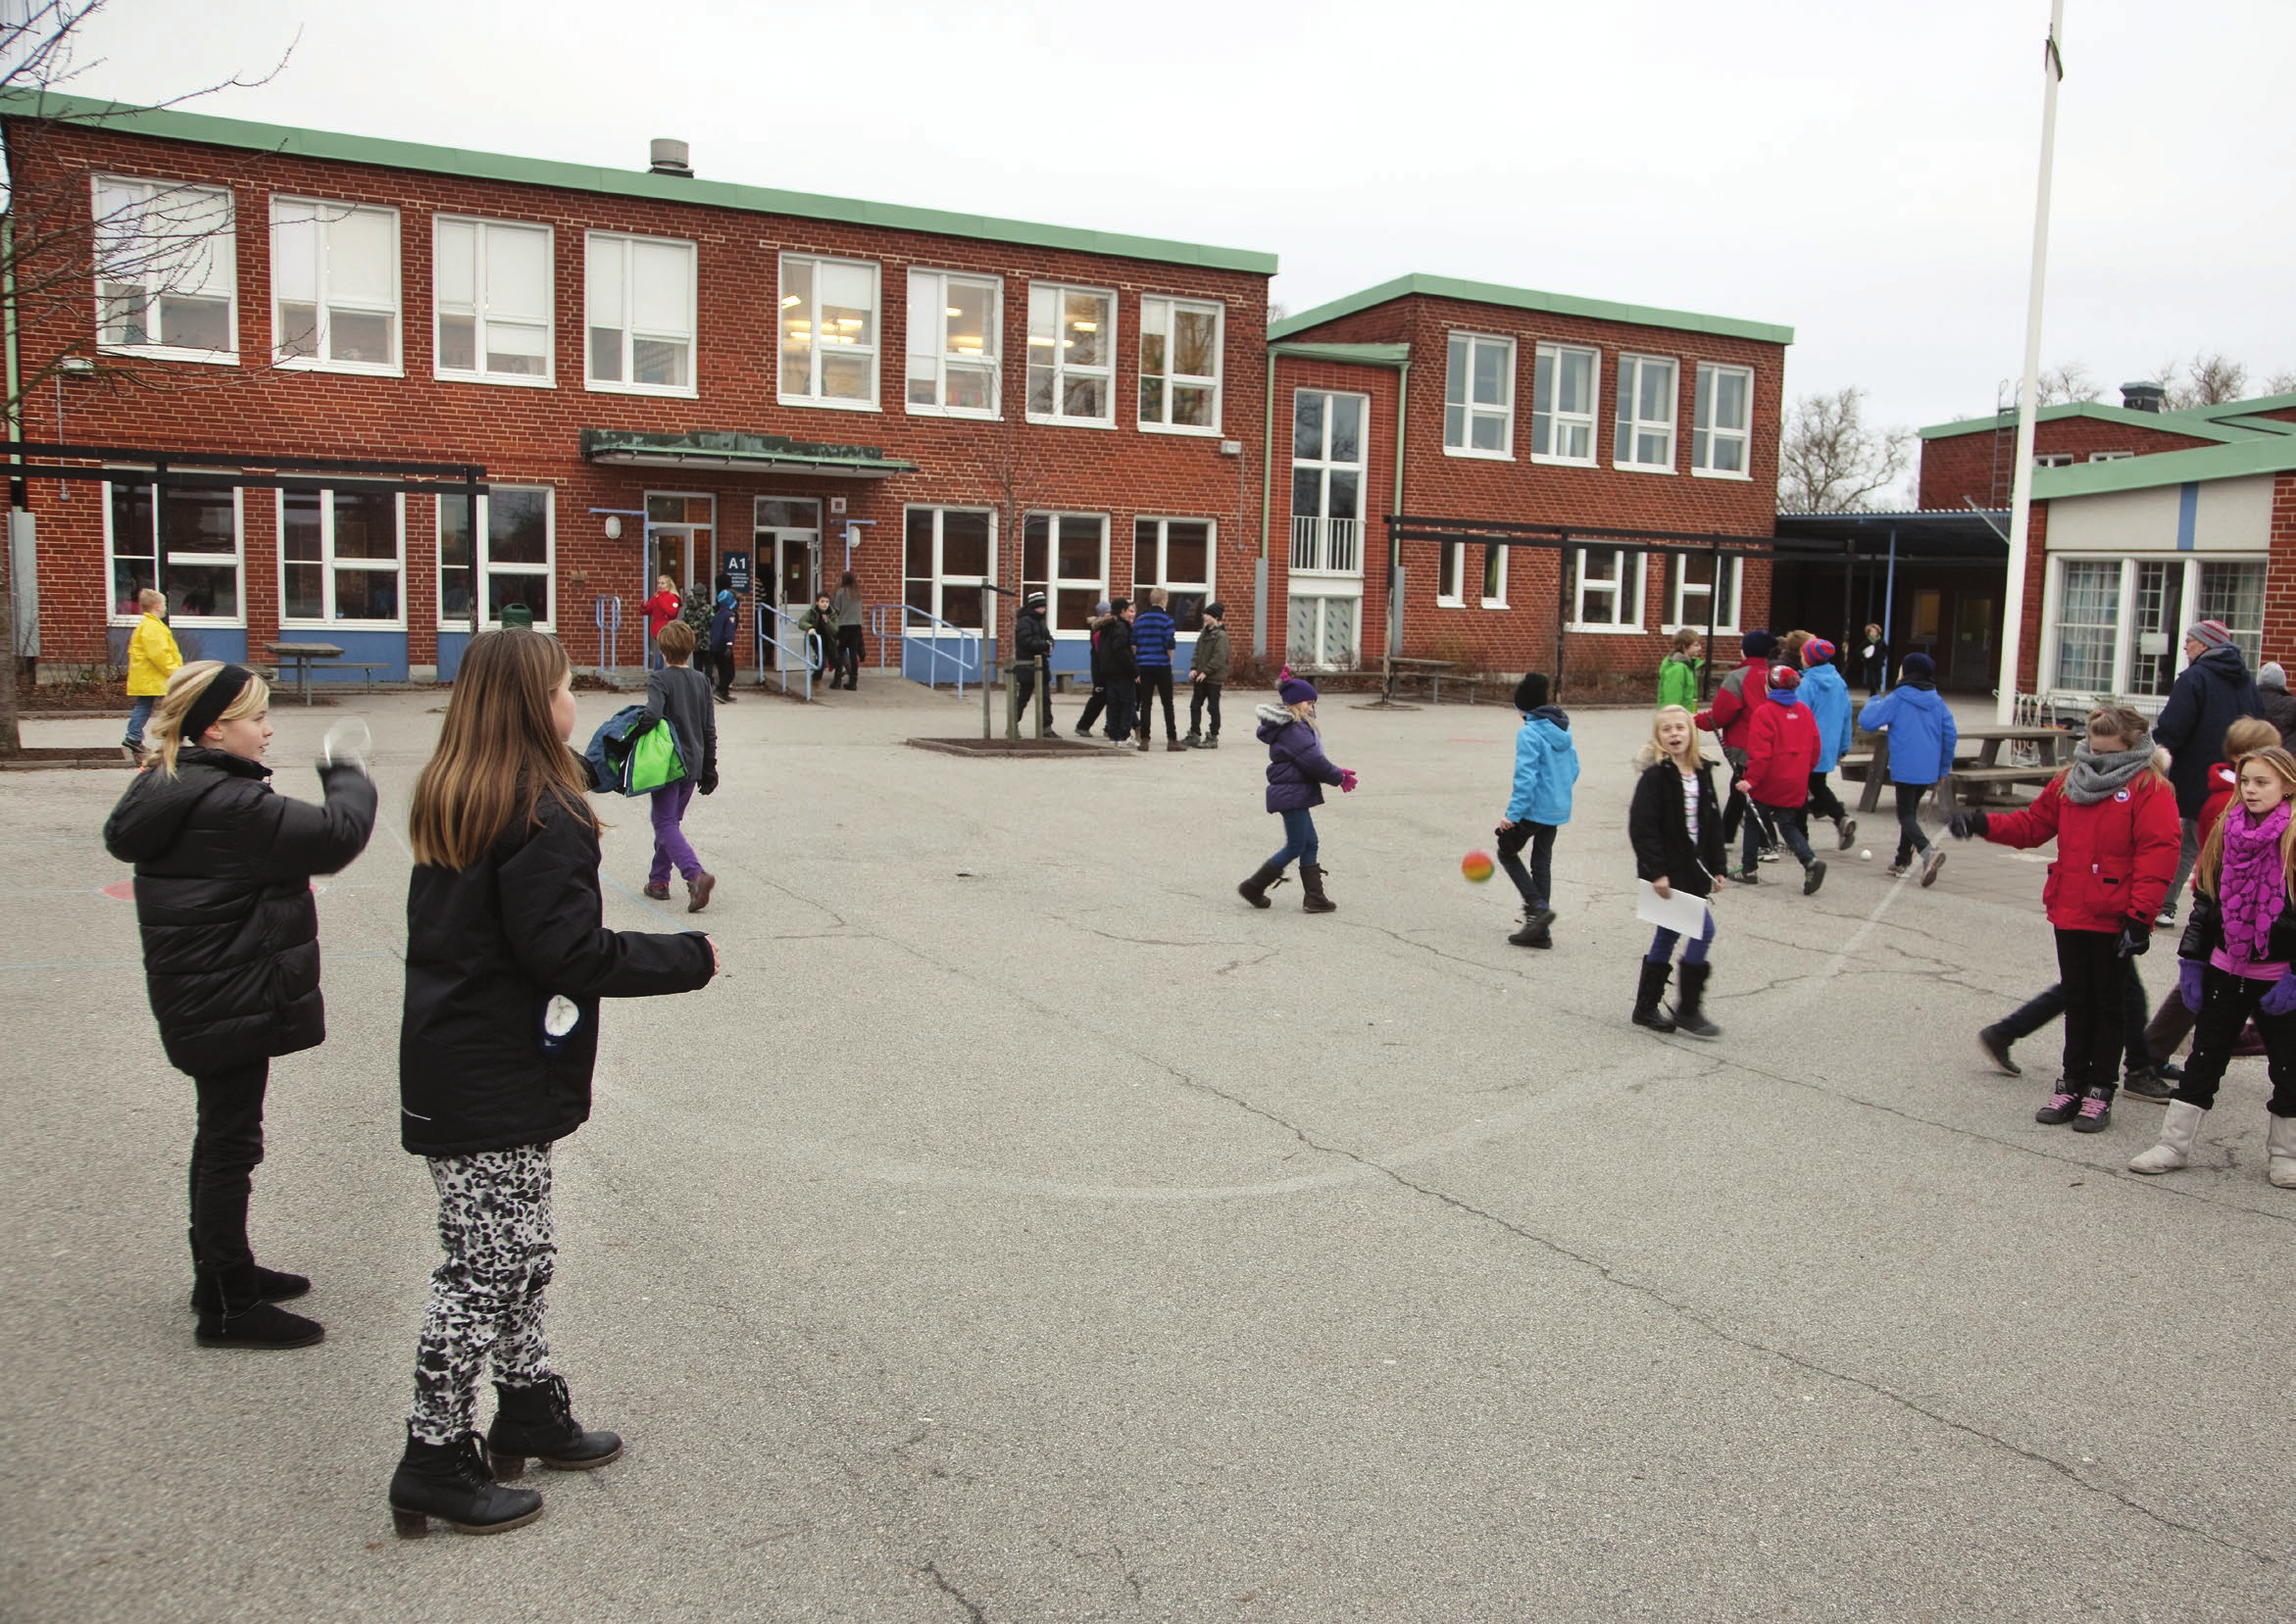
x,y
450,1482
1646,995
234,1313
538,1422
1689,1015
1255,889
1311,883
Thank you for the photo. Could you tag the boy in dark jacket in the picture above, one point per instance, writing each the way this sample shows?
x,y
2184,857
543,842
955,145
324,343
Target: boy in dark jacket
x,y
1098,702
1153,644
1782,751
1123,673
1032,641
724,616
680,696
1206,675
2212,693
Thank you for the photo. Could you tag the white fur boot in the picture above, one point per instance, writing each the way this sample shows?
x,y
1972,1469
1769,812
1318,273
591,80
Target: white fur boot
x,y
2280,1144
2180,1127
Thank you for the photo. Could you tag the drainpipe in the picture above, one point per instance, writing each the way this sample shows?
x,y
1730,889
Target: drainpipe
x,y
18,496
1260,571
1395,543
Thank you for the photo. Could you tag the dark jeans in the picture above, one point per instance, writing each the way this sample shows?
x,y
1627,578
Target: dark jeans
x,y
224,1153
2096,1022
1203,694
1910,838
1023,688
849,651
1760,831
1822,801
723,660
1299,838
1662,944
1119,709
1092,709
1788,823
2038,1012
2227,1003
1532,882
1154,680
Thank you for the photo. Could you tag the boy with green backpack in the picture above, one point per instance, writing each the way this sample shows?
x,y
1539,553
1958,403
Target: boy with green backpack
x,y
680,696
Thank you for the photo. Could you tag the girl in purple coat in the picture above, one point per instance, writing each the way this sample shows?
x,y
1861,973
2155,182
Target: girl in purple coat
x,y
1297,771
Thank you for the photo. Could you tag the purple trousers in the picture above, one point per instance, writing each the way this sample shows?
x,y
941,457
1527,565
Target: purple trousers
x,y
670,849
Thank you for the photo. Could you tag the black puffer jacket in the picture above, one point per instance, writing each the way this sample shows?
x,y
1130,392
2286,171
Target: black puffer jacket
x,y
1661,831
484,1062
2211,693
222,893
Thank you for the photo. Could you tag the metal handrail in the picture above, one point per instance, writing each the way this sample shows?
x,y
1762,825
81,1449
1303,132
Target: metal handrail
x,y
932,644
795,644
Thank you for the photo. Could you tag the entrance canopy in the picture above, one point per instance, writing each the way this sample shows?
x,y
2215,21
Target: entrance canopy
x,y
1923,535
733,453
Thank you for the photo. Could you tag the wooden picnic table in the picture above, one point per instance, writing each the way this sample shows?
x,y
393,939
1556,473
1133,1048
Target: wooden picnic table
x,y
1435,669
302,658
1964,785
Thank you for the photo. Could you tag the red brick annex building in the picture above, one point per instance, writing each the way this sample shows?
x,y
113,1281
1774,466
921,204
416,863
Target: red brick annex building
x,y
661,374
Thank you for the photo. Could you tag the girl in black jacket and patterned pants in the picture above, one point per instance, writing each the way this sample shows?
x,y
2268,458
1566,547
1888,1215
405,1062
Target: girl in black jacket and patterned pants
x,y
1675,826
230,956
506,961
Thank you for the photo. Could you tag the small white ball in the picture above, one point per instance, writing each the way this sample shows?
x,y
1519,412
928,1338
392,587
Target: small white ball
x,y
1866,856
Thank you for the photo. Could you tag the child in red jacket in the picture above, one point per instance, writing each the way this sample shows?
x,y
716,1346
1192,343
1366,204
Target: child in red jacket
x,y
1729,716
1781,753
2114,819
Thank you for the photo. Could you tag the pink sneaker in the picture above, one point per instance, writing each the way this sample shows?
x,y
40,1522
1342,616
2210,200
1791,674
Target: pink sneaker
x,y
2060,1108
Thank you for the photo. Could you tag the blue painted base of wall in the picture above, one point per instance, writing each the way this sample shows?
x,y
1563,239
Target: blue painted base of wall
x,y
450,653
195,642
386,650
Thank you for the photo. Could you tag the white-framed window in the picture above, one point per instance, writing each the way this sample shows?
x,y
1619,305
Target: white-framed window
x,y
516,526
334,282
1645,436
1065,557
340,557
166,269
491,301
2116,625
2088,623
948,561
1450,574
828,332
1180,346
954,328
2110,456
1328,466
1494,563
1564,382
2053,460
1072,355
1322,630
1175,553
638,301
1488,562
1606,589
1478,396
1693,592
186,545
1723,423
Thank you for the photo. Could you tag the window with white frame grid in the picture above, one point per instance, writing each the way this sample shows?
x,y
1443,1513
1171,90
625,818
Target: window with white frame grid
x,y
1179,364
1072,355
339,558
166,269
954,323
1450,573
1562,383
491,289
2088,623
638,314
516,525
1177,554
828,332
1065,557
2157,603
1606,587
1478,396
1328,466
2110,456
1645,437
1322,630
335,273
2234,593
1694,596
946,562
185,544
1494,563
1722,422
2053,460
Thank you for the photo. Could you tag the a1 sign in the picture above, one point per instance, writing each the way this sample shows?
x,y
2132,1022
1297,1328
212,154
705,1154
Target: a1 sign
x,y
736,565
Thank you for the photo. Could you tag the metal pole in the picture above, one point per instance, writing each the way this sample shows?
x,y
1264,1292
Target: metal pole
x,y
1713,618
2021,506
1888,606
1561,609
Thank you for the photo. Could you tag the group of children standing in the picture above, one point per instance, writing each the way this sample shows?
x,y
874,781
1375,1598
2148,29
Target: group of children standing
x,y
1132,652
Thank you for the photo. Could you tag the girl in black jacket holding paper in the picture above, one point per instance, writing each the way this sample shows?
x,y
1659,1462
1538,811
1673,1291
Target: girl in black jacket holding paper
x,y
1676,828
506,961
230,956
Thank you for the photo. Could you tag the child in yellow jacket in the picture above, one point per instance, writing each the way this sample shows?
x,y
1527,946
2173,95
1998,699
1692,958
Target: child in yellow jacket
x,y
152,658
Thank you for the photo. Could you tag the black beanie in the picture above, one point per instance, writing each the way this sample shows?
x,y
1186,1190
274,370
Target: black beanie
x,y
1531,692
1758,643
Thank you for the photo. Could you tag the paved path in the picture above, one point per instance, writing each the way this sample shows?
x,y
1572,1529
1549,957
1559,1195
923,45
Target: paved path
x,y
1026,1229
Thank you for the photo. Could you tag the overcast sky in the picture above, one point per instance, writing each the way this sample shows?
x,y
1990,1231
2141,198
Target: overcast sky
x,y
1860,171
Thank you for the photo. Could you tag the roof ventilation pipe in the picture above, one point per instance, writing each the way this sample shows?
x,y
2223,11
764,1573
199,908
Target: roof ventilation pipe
x,y
670,156
2144,397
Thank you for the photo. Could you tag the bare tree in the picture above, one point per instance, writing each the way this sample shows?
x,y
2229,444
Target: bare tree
x,y
2069,382
1829,462
2282,382
2212,379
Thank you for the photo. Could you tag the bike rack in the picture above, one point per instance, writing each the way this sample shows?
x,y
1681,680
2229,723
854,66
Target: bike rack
x,y
608,613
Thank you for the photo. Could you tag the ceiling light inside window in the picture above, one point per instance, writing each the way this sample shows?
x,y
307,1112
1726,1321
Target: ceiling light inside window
x,y
789,299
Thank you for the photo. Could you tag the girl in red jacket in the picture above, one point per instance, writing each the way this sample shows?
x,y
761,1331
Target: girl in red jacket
x,y
2236,961
2114,819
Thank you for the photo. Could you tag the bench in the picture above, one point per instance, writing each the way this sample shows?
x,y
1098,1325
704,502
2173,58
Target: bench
x,y
365,668
1972,786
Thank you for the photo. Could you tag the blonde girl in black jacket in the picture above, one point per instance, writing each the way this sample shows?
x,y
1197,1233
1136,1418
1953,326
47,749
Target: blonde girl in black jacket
x,y
506,961
230,956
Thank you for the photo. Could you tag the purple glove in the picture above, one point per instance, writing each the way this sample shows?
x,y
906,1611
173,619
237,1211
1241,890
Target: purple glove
x,y
2188,983
1347,780
2282,997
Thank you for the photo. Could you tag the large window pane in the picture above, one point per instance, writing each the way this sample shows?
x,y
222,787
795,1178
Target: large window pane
x,y
965,543
2088,623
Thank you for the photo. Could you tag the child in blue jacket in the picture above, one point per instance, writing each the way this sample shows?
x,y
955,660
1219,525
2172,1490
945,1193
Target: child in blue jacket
x,y
1546,766
1921,740
1827,694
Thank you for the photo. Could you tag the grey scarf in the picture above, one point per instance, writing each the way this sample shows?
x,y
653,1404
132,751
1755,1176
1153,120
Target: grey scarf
x,y
2096,774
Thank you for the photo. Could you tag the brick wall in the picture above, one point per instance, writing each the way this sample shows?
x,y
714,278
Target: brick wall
x,y
1979,466
2028,653
2279,591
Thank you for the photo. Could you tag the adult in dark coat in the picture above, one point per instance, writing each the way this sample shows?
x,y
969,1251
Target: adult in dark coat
x,y
2212,693
2278,706
1121,668
1032,639
231,959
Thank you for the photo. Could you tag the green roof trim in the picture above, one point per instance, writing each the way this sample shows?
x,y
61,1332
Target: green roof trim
x,y
711,447
169,124
1522,298
2262,454
2260,425
2239,408
1361,354
2164,423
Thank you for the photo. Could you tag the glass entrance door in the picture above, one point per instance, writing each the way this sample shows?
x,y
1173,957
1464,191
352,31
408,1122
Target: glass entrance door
x,y
788,531
681,542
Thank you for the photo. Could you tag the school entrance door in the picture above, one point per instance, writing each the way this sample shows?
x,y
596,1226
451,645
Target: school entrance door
x,y
788,533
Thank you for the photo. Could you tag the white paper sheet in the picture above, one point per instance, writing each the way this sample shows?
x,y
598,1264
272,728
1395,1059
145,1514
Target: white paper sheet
x,y
1680,911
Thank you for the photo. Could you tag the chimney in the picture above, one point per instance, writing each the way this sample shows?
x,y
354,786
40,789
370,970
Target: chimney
x,y
2143,397
669,158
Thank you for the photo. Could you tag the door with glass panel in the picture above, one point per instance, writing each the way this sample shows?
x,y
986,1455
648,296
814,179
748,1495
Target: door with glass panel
x,y
788,533
2159,616
1327,476
682,541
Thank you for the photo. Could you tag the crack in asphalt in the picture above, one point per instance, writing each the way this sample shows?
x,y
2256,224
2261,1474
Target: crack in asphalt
x,y
973,1608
